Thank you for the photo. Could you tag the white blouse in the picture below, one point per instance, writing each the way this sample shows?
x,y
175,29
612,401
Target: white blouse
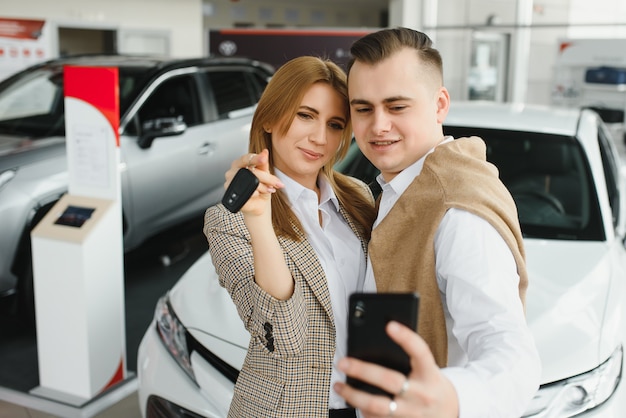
x,y
339,252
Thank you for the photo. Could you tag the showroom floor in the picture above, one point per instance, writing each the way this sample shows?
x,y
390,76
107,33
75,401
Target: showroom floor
x,y
147,277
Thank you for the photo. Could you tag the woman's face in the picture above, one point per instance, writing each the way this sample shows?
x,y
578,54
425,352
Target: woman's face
x,y
313,136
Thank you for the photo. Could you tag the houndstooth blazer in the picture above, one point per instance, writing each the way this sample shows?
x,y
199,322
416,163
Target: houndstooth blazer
x,y
287,369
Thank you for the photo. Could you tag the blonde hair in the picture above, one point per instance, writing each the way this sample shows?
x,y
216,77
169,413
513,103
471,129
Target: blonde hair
x,y
278,107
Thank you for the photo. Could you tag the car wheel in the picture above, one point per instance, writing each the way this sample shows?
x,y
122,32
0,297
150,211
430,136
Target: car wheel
x,y
25,284
26,296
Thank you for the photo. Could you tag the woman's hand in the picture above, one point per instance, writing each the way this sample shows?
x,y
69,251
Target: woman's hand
x,y
259,202
270,270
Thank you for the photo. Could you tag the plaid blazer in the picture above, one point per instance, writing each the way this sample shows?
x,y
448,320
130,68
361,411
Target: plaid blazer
x,y
287,369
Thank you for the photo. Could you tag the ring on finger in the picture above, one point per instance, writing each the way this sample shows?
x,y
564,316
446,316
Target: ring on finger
x,y
393,406
250,160
405,387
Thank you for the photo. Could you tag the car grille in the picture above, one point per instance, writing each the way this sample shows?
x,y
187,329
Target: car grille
x,y
220,365
161,408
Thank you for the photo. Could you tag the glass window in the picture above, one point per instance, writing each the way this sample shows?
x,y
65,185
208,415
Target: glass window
x,y
260,81
32,105
35,94
549,179
176,97
231,91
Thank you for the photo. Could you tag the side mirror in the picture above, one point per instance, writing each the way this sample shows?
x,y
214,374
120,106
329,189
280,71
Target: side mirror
x,y
155,128
608,115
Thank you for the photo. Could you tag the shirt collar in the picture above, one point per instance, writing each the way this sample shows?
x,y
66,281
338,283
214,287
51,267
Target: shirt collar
x,y
294,190
402,181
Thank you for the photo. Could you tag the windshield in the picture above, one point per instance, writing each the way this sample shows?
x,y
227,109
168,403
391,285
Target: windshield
x,y
32,104
547,175
549,178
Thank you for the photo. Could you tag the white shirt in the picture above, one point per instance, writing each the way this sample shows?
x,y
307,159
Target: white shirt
x,y
492,358
339,252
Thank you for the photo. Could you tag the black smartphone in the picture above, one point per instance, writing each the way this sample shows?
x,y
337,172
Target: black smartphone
x,y
240,189
367,340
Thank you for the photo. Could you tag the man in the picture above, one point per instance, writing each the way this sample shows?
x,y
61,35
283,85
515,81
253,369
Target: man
x,y
448,229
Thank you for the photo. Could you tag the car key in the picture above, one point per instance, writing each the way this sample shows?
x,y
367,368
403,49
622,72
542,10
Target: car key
x,y
240,189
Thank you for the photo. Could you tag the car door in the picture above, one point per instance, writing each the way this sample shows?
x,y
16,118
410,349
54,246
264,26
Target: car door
x,y
162,181
232,94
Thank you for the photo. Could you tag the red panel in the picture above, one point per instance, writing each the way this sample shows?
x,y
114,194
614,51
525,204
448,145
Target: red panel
x,y
117,377
98,86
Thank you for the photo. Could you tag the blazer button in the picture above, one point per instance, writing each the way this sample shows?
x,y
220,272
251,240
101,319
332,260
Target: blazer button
x,y
269,336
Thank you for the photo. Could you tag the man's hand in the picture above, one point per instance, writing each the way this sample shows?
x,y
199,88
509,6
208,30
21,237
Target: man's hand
x,y
426,392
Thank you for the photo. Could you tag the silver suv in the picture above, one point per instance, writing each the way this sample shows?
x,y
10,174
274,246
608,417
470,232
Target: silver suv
x,y
182,122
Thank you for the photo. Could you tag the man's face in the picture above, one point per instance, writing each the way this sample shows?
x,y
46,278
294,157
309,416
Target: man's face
x,y
397,108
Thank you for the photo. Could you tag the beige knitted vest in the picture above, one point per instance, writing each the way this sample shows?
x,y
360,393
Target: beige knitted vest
x,y
455,175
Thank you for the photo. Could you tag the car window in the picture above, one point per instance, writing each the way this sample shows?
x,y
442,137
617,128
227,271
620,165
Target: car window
x,y
32,105
32,102
232,90
260,81
611,171
549,179
176,97
34,94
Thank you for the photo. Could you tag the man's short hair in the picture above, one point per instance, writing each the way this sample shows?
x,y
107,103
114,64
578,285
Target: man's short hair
x,y
376,46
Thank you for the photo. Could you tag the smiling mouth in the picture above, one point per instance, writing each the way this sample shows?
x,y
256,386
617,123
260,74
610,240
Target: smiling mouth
x,y
312,154
389,142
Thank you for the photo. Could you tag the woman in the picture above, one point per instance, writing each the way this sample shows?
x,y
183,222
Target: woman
x,y
296,250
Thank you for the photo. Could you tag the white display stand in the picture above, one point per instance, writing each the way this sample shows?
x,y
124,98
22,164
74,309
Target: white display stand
x,y
78,252
79,300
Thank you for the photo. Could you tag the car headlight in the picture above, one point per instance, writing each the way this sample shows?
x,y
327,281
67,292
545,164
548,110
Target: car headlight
x,y
6,176
578,394
173,335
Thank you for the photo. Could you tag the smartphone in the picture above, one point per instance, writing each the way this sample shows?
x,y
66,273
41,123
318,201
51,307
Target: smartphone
x,y
240,189
367,340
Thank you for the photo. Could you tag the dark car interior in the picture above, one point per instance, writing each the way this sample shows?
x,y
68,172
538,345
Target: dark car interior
x,y
547,176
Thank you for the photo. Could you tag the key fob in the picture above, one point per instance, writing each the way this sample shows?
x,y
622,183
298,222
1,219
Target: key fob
x,y
239,190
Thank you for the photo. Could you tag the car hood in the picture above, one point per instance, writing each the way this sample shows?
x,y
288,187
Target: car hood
x,y
18,151
565,307
566,304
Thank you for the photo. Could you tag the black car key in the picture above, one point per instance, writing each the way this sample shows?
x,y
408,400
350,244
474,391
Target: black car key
x,y
240,189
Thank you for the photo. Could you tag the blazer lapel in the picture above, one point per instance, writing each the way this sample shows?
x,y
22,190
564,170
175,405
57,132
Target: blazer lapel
x,y
302,255
354,228
304,259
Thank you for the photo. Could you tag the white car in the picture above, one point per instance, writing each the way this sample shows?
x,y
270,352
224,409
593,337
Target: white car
x,y
564,172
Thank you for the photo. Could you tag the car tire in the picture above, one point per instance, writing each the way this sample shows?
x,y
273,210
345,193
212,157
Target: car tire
x,y
26,297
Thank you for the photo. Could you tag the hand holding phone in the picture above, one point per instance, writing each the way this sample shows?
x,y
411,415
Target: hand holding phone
x,y
367,339
240,190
